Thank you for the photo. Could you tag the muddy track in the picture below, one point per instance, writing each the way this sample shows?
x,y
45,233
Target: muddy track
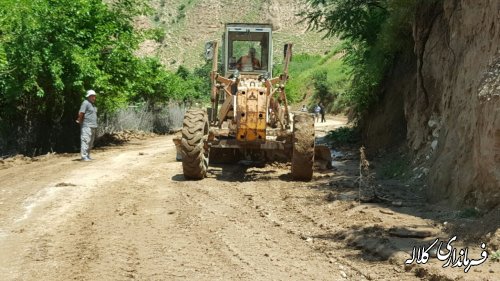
x,y
130,215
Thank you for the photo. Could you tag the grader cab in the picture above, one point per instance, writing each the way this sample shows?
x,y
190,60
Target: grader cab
x,y
249,115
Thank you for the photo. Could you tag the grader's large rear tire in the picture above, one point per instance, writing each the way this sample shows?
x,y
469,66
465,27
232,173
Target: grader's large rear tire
x,y
194,134
303,147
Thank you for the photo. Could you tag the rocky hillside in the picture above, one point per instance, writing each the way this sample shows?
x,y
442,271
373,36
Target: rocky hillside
x,y
455,110
447,98
190,23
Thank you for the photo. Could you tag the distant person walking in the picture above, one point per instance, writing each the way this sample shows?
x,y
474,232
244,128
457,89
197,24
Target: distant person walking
x,y
317,111
322,112
87,118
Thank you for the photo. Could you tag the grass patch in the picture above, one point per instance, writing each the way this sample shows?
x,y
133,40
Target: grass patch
x,y
394,167
469,213
343,136
495,256
303,70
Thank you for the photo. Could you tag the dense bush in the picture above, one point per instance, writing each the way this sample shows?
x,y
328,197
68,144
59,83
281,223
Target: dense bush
x,y
51,51
374,32
143,117
343,136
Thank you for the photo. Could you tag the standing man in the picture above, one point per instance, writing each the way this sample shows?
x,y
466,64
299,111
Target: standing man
x,y
322,112
87,118
317,110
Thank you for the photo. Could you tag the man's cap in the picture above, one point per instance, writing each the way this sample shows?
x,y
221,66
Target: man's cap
x,y
252,50
90,93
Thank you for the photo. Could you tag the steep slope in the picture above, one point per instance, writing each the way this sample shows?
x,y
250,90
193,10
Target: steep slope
x,y
456,109
450,94
190,23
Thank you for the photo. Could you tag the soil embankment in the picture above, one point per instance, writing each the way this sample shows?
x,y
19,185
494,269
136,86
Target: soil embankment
x,y
451,100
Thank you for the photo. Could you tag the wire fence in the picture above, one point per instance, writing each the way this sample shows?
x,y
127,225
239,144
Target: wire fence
x,y
148,118
158,119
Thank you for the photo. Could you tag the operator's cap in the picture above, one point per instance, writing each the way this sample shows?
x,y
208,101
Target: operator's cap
x,y
90,93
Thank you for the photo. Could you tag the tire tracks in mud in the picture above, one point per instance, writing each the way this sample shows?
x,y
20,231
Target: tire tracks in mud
x,y
286,206
257,239
60,237
150,224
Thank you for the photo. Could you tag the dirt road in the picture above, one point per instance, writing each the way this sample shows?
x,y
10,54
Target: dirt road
x,y
130,215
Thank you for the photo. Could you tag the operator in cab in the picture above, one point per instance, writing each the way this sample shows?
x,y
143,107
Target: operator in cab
x,y
248,62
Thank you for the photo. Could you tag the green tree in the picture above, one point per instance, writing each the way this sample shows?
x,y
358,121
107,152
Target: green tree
x,y
374,32
354,20
321,86
53,50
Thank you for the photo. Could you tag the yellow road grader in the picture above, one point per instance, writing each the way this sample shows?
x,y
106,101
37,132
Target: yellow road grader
x,y
249,115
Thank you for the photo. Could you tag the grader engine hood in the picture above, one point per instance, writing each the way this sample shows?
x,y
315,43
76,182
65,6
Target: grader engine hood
x,y
251,105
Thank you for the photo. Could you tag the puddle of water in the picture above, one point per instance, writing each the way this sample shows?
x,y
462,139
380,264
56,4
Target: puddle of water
x,y
336,154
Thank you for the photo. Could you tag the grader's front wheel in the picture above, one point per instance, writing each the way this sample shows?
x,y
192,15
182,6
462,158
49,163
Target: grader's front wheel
x,y
194,134
303,147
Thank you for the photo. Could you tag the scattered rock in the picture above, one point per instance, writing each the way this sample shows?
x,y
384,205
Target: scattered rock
x,y
435,133
61,184
409,267
330,197
398,203
343,274
432,123
386,212
434,144
421,272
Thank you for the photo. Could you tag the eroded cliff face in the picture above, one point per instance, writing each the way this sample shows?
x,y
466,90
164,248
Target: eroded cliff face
x,y
453,117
